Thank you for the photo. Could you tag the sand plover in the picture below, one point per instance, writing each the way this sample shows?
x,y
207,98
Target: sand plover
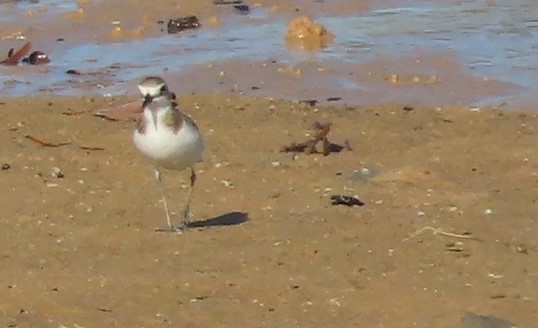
x,y
169,137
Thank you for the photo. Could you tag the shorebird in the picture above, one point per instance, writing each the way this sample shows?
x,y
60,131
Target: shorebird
x,y
169,137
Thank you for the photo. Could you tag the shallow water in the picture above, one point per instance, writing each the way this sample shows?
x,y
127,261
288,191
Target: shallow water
x,y
499,42
17,10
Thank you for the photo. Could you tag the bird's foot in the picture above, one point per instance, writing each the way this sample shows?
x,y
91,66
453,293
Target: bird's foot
x,y
183,226
171,228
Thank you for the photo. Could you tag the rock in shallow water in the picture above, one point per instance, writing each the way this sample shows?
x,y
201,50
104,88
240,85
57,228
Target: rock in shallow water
x,y
177,25
304,34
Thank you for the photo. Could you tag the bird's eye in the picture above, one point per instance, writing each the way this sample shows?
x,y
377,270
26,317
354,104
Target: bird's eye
x,y
163,90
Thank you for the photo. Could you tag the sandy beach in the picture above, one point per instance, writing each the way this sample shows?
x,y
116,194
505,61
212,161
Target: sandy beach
x,y
446,235
448,225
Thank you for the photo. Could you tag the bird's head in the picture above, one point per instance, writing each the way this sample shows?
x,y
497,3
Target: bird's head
x,y
154,87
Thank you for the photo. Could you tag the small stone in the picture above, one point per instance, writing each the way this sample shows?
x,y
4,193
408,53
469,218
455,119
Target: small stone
x,y
362,175
57,173
242,8
275,194
335,302
393,78
227,183
5,167
432,79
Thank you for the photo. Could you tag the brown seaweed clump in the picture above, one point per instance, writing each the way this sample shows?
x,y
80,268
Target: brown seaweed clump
x,y
304,34
309,147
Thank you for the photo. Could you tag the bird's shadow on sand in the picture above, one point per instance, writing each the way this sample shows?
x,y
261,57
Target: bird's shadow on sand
x,y
231,218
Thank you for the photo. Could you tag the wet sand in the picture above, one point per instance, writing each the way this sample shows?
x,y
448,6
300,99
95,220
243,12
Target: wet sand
x,y
140,19
80,249
113,44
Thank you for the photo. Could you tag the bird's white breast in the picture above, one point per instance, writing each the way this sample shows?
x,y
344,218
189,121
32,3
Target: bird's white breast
x,y
175,151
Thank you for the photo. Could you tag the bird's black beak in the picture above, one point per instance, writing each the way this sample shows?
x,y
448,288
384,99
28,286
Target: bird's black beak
x,y
147,100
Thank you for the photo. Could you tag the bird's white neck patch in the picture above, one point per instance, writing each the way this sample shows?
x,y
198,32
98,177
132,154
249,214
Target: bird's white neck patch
x,y
153,90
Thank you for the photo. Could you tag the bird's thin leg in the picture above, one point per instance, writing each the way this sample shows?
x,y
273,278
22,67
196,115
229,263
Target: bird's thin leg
x,y
186,210
169,224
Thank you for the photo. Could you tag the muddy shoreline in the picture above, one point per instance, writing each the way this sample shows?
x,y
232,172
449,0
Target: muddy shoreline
x,y
113,44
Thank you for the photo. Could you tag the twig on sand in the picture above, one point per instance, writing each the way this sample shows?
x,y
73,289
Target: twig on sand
x,y
91,148
44,143
70,112
105,117
437,231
